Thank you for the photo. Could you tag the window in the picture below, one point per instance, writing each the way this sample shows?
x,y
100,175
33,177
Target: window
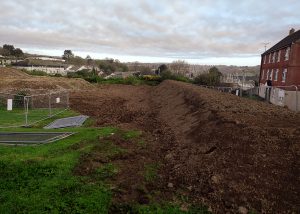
x,y
271,75
262,74
265,59
273,58
278,56
276,75
268,74
284,73
269,58
287,54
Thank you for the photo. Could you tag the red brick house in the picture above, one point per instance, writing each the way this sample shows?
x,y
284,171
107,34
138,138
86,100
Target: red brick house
x,y
281,63
280,67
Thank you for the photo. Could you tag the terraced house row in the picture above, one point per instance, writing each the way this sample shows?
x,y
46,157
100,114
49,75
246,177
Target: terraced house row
x,y
280,68
281,63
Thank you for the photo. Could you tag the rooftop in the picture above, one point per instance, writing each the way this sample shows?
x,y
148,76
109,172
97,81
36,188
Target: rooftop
x,y
287,41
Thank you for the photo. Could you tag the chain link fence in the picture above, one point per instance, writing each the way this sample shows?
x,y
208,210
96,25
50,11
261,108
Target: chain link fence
x,y
27,107
288,96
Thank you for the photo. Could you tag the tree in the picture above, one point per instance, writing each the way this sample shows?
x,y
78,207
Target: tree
x,y
68,54
110,65
211,78
179,67
1,51
76,60
161,69
135,65
89,60
18,52
8,50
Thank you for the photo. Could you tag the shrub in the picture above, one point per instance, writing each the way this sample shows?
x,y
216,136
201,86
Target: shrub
x,y
171,76
151,77
57,75
93,79
131,80
211,78
35,72
18,100
2,102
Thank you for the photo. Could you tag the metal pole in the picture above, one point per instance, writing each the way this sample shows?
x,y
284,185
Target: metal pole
x,y
296,98
25,112
68,104
50,111
26,102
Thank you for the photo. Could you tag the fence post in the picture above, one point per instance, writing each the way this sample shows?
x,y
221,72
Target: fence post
x,y
26,102
50,111
25,112
296,98
68,102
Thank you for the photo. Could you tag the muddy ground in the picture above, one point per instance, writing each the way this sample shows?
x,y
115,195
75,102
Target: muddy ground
x,y
232,154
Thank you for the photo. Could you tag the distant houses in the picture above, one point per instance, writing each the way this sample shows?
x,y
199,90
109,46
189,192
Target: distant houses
x,y
241,80
7,61
280,69
50,65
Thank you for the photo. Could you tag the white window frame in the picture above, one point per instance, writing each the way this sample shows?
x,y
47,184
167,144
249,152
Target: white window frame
x,y
268,74
271,75
278,56
265,59
262,74
269,58
284,75
287,54
273,57
276,75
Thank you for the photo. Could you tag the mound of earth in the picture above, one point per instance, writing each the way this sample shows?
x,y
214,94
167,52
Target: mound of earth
x,y
17,80
230,153
6,73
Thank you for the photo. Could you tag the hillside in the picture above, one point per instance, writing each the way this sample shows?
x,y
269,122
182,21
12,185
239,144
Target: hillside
x,y
17,80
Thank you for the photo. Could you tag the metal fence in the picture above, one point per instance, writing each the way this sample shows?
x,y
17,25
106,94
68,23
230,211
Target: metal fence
x,y
27,107
278,95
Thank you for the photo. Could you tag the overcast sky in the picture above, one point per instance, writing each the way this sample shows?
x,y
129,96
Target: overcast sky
x,y
199,31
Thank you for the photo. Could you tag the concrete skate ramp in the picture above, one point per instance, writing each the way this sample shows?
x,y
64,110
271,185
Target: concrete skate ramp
x,y
67,122
26,138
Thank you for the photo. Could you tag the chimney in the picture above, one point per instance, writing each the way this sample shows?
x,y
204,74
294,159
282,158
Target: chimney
x,y
292,31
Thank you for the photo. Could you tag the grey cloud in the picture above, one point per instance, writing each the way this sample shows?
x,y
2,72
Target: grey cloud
x,y
151,28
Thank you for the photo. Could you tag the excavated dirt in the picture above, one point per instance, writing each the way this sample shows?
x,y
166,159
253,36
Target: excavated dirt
x,y
11,78
229,153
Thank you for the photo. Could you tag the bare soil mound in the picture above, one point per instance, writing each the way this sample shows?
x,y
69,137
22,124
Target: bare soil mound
x,y
227,152
12,73
14,79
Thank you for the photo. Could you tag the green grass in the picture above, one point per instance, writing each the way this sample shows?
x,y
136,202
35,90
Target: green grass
x,y
16,117
151,171
128,81
39,179
131,134
35,72
106,171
